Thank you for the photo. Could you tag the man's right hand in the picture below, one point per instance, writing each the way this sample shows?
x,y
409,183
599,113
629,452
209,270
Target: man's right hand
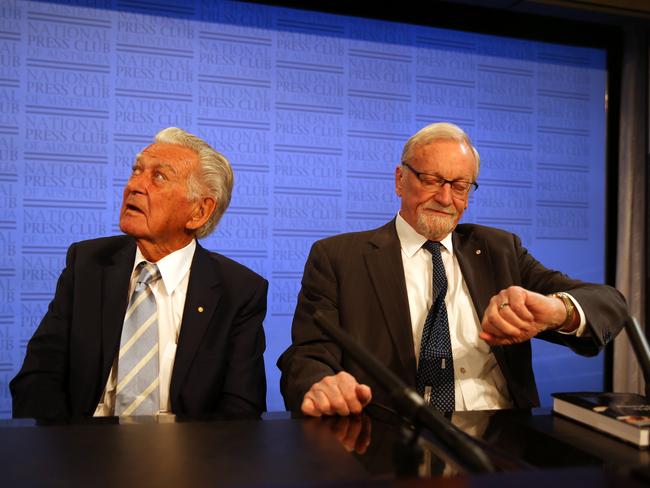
x,y
338,394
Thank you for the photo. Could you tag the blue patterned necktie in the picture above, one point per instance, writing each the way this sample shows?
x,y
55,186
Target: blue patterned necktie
x,y
137,390
435,376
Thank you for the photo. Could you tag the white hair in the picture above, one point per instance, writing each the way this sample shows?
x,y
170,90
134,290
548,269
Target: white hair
x,y
215,176
435,132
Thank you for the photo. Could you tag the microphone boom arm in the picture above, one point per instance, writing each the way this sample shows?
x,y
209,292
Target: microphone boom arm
x,y
411,404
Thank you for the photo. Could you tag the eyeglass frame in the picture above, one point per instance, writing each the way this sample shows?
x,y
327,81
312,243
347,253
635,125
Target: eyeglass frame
x,y
443,181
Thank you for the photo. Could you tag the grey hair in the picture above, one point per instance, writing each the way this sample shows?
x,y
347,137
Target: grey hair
x,y
435,132
215,178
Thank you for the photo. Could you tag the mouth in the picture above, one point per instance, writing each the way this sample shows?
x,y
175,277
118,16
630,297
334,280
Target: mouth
x,y
131,208
439,211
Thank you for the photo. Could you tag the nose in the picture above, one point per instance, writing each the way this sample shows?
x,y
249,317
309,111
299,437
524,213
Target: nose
x,y
443,195
136,183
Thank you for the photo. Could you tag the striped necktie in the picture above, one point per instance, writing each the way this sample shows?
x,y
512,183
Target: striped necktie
x,y
137,390
435,375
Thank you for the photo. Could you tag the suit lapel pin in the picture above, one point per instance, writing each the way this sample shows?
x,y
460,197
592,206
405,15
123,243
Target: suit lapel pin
x,y
478,251
200,309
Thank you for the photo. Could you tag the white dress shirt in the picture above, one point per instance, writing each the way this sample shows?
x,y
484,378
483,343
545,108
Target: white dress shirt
x,y
170,293
479,383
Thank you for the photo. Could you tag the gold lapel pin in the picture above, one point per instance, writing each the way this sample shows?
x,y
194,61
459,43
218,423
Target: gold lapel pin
x,y
200,309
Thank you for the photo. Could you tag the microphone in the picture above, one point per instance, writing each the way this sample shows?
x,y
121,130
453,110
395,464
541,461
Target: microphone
x,y
409,403
641,350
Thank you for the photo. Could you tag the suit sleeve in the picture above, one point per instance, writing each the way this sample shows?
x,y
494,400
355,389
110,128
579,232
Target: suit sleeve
x,y
244,386
40,388
312,355
604,307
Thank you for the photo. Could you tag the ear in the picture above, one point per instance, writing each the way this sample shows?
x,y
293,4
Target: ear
x,y
398,180
201,213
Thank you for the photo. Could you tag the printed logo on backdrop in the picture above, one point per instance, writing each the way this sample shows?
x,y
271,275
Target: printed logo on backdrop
x,y
380,115
66,120
59,185
310,125
10,121
235,115
506,118
566,161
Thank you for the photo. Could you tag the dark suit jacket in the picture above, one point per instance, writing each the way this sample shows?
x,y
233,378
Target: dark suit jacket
x,y
218,368
358,280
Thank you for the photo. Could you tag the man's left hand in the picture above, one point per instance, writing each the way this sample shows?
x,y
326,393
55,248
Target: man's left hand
x,y
516,315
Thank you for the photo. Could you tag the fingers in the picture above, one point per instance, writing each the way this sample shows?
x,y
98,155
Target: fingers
x,y
338,394
364,395
309,408
516,299
507,319
500,341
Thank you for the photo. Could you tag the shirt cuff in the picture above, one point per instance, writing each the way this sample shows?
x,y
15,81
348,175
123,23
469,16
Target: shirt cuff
x,y
583,321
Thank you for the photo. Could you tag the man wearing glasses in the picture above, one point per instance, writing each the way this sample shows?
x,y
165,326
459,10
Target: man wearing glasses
x,y
449,308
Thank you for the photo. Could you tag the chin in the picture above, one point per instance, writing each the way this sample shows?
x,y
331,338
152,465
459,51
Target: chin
x,y
435,228
130,228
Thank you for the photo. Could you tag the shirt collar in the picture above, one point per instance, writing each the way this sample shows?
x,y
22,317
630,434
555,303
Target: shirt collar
x,y
411,241
173,267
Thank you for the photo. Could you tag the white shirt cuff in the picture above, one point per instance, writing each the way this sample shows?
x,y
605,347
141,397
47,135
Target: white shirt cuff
x,y
583,321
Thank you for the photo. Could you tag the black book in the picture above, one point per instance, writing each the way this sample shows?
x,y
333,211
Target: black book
x,y
622,415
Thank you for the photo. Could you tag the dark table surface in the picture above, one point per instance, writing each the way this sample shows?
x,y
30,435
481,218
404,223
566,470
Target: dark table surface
x,y
532,449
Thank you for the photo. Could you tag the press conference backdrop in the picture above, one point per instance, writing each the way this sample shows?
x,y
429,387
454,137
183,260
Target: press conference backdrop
x,y
312,110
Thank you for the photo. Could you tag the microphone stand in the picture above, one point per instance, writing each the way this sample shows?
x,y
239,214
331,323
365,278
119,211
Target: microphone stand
x,y
409,404
641,350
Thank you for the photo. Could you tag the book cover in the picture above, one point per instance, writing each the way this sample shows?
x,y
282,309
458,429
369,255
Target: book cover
x,y
623,415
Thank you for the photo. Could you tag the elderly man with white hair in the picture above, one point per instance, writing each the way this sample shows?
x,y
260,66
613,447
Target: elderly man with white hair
x,y
448,308
151,322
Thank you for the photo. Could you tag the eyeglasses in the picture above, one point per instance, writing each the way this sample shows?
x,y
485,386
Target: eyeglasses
x,y
433,183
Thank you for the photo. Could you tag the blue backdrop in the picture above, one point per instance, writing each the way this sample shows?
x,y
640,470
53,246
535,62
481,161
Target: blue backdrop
x,y
312,110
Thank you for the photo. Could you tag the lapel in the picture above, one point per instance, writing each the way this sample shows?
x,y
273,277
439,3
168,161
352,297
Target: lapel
x,y
386,271
115,285
203,295
478,272
473,257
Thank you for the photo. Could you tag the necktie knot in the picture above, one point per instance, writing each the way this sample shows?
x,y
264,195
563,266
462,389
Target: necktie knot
x,y
432,246
149,273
